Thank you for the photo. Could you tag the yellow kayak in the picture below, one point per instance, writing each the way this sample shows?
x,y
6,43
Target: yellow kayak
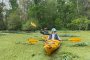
x,y
75,39
51,45
32,40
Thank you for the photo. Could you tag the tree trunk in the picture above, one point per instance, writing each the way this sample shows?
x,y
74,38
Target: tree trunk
x,y
77,7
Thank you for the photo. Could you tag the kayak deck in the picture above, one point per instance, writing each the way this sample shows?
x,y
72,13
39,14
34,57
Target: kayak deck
x,y
51,45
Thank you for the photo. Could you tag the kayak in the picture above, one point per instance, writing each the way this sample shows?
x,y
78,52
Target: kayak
x,y
32,40
75,39
51,45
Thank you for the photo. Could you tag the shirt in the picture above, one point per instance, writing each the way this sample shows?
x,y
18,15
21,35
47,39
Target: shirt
x,y
53,37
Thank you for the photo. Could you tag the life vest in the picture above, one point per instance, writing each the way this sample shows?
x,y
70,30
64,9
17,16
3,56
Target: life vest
x,y
56,37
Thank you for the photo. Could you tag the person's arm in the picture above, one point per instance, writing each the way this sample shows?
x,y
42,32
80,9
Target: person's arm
x,y
48,37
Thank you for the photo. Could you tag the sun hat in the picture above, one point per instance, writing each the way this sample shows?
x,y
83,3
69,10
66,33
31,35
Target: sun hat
x,y
53,30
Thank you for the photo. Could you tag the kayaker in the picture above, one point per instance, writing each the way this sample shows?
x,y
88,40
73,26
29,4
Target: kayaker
x,y
53,35
42,31
46,31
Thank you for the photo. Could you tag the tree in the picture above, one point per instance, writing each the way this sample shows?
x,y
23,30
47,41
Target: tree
x,y
14,22
44,11
14,4
58,23
2,25
48,13
24,5
66,11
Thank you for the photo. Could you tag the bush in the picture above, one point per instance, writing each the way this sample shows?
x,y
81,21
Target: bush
x,y
14,25
81,23
58,23
82,44
13,22
67,56
28,26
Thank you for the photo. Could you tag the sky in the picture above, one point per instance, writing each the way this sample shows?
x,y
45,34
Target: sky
x,y
7,4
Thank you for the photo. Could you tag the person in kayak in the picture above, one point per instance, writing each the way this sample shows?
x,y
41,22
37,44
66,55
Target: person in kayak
x,y
53,35
44,31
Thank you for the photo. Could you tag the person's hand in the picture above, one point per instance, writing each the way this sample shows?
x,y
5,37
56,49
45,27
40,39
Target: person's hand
x,y
60,40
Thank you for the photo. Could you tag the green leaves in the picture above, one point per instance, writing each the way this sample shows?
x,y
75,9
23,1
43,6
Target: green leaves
x,y
14,22
14,4
27,26
81,23
62,14
2,24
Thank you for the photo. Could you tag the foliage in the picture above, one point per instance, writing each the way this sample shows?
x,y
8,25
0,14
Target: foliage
x,y
14,4
58,23
66,11
81,23
14,22
2,24
28,27
45,12
67,56
81,44
61,14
